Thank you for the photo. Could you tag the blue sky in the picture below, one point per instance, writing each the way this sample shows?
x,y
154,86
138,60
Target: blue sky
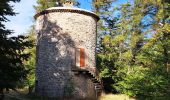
x,y
21,22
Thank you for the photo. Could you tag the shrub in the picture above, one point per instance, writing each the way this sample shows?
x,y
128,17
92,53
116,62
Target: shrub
x,y
141,81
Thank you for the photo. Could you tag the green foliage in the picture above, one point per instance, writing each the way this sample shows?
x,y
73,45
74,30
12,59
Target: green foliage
x,y
144,82
133,51
30,63
112,42
12,72
44,4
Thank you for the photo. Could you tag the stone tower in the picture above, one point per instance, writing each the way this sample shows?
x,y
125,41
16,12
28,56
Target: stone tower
x,y
66,61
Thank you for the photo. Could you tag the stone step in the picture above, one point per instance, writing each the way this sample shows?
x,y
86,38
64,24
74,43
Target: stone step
x,y
94,78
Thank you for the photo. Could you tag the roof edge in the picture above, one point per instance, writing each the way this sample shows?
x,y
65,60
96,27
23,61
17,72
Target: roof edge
x,y
66,9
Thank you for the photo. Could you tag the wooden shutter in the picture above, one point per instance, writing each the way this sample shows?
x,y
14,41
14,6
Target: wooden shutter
x,y
80,57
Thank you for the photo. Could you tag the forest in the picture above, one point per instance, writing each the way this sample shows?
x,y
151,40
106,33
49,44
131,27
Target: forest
x,y
133,48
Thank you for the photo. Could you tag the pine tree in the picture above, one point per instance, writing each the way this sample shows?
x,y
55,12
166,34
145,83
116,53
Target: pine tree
x,y
161,30
147,50
105,53
44,4
128,50
12,71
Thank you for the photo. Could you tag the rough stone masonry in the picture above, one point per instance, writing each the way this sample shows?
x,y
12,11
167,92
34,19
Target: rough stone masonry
x,y
66,44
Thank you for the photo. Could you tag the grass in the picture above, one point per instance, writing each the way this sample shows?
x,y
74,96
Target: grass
x,y
23,96
115,97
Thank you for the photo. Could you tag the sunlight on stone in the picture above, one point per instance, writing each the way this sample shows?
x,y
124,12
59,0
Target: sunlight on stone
x,y
56,74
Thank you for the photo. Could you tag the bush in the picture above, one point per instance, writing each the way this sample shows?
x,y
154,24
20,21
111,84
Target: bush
x,y
141,81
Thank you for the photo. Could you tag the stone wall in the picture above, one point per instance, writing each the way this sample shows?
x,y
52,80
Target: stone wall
x,y
59,34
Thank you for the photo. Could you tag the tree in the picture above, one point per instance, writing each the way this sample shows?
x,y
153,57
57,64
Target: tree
x,y
12,71
105,53
160,29
144,56
133,50
30,63
44,4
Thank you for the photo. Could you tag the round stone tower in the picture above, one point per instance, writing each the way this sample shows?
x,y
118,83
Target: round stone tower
x,y
66,61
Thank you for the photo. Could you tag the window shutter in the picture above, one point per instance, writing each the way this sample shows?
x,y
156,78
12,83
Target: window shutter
x,y
80,57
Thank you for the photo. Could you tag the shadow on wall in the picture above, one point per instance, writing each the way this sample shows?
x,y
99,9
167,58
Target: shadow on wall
x,y
55,56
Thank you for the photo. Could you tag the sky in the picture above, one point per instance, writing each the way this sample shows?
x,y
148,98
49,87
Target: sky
x,y
21,22
24,19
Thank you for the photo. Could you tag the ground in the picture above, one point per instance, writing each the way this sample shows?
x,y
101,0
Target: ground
x,y
23,95
115,97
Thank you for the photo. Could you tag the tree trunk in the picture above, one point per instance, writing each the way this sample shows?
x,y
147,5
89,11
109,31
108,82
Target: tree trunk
x,y
7,90
2,94
165,53
30,89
